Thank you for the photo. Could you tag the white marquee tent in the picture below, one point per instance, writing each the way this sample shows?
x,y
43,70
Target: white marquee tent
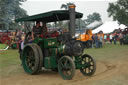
x,y
109,26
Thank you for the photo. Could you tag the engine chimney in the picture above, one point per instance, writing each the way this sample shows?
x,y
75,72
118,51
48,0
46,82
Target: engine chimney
x,y
72,20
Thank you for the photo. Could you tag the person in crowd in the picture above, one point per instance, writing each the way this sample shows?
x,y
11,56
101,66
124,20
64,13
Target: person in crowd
x,y
121,38
105,38
119,30
21,45
111,37
115,38
108,38
93,41
100,41
96,40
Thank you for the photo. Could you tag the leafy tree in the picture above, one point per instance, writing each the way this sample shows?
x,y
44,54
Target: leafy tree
x,y
119,11
92,17
9,11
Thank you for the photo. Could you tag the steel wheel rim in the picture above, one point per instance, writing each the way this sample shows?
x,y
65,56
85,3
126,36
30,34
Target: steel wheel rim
x,y
89,64
30,59
66,68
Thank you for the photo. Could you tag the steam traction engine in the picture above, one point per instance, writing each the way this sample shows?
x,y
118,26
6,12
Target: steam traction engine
x,y
62,53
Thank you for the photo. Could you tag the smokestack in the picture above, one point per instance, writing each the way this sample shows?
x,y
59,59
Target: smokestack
x,y
72,20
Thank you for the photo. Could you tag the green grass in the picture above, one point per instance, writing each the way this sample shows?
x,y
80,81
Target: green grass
x,y
108,52
10,62
9,58
2,46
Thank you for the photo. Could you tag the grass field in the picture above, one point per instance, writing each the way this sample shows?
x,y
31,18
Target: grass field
x,y
2,46
115,56
9,62
108,52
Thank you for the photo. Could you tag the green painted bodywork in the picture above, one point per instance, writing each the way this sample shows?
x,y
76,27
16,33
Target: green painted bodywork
x,y
50,43
37,40
54,53
46,43
50,62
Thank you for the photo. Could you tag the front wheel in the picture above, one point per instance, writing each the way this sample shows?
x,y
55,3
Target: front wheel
x,y
66,67
89,65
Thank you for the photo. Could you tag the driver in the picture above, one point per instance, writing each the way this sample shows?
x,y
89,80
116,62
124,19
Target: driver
x,y
37,30
45,30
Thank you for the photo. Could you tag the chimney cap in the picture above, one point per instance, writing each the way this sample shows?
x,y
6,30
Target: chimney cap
x,y
72,6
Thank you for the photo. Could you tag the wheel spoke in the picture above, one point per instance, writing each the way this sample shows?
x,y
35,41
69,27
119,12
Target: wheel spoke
x,y
91,63
66,67
62,66
91,67
30,59
66,62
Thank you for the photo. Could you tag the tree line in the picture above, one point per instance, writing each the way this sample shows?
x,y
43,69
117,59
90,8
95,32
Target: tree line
x,y
119,11
9,11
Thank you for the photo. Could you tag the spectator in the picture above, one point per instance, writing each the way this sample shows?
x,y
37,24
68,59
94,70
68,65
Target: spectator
x,y
21,46
115,38
96,40
100,41
108,38
111,37
105,38
121,38
93,41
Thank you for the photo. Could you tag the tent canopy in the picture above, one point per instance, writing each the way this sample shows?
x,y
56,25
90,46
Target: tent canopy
x,y
109,26
52,16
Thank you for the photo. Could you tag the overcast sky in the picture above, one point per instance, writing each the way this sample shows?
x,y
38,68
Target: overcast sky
x,y
84,6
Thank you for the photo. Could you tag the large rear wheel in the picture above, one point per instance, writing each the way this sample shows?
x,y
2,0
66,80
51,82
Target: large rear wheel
x,y
40,53
66,67
31,59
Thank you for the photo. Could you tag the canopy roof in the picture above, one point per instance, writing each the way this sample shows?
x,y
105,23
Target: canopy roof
x,y
108,27
52,16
